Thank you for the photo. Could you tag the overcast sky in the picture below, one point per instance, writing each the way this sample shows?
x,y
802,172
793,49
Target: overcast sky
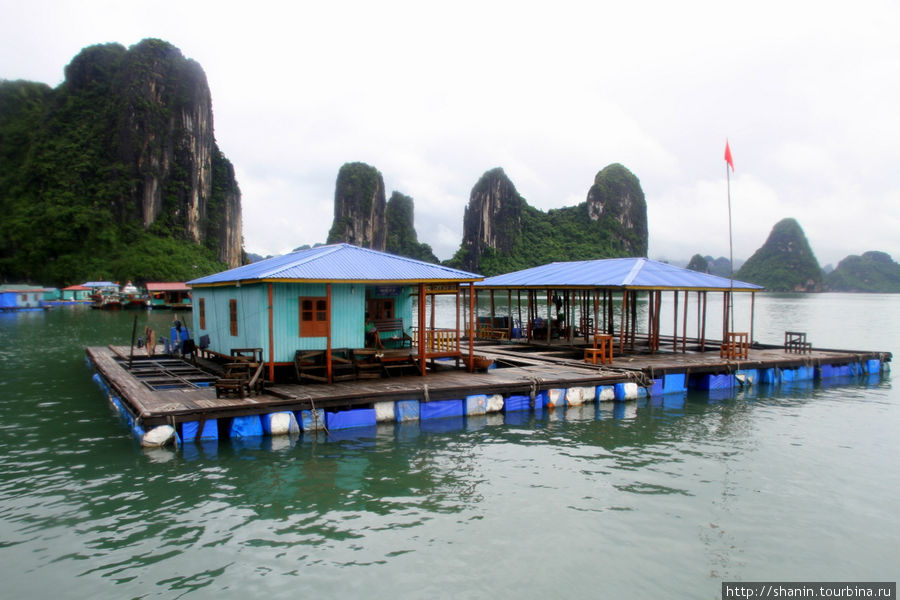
x,y
435,94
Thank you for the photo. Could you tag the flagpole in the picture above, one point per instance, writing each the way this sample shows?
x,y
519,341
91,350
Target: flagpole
x,y
730,247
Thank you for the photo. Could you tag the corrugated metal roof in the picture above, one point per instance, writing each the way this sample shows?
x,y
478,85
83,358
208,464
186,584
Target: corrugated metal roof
x,y
99,284
167,286
615,273
20,288
338,262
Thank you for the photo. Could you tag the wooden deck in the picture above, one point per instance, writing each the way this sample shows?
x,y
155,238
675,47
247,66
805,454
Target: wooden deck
x,y
160,390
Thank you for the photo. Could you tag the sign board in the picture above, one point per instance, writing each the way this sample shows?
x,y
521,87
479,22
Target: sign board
x,y
441,288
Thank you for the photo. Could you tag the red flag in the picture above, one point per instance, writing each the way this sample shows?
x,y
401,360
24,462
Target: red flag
x,y
728,158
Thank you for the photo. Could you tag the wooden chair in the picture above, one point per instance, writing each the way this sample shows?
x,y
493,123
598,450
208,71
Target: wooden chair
x,y
602,351
795,341
735,346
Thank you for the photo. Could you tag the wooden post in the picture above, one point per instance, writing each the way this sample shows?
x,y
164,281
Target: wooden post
x,y
328,371
529,310
633,302
623,324
519,307
474,318
656,318
457,349
422,308
752,311
549,313
675,327
509,314
687,295
430,338
703,326
471,326
272,333
699,293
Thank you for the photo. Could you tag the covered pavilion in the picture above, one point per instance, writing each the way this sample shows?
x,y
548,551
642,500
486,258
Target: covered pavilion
x,y
567,300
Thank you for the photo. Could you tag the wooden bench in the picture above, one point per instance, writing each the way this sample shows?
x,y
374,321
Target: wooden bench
x,y
602,351
311,364
795,341
367,362
393,327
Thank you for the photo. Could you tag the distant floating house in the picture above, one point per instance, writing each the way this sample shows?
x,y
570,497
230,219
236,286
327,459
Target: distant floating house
x,y
565,299
172,295
318,300
76,293
21,297
104,294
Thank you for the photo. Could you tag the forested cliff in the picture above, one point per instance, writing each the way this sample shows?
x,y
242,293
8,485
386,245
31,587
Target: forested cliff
x,y
363,218
115,174
785,263
503,233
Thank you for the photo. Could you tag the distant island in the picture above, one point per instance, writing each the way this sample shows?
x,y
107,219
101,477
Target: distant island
x,y
786,263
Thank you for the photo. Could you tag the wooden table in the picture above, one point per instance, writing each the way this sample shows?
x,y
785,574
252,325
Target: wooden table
x,y
602,351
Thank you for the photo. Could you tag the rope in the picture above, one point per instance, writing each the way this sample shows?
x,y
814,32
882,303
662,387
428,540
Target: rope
x,y
315,414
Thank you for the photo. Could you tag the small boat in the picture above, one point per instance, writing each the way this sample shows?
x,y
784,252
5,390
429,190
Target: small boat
x,y
106,300
479,362
131,297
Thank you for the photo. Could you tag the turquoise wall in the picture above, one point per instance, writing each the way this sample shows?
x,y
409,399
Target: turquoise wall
x,y
348,305
253,327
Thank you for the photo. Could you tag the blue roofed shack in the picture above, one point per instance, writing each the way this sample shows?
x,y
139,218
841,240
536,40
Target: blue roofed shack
x,y
571,299
21,297
319,299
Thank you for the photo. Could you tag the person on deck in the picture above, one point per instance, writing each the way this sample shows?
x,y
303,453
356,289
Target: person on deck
x,y
150,336
371,332
178,335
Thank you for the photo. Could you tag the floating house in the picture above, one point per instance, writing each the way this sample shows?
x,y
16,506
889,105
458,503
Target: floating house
x,y
173,295
76,293
21,297
564,300
313,303
316,303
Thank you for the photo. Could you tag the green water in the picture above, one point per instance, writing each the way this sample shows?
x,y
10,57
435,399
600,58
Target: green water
x,y
655,499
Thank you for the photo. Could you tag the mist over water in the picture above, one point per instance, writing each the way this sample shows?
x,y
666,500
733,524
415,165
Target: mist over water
x,y
661,498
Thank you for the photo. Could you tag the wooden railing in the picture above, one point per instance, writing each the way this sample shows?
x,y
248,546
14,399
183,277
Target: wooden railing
x,y
437,340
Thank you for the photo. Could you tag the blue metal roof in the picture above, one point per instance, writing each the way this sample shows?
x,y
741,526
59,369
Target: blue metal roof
x,y
99,284
615,273
338,262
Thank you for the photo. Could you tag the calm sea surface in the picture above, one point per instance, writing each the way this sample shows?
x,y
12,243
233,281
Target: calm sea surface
x,y
661,499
